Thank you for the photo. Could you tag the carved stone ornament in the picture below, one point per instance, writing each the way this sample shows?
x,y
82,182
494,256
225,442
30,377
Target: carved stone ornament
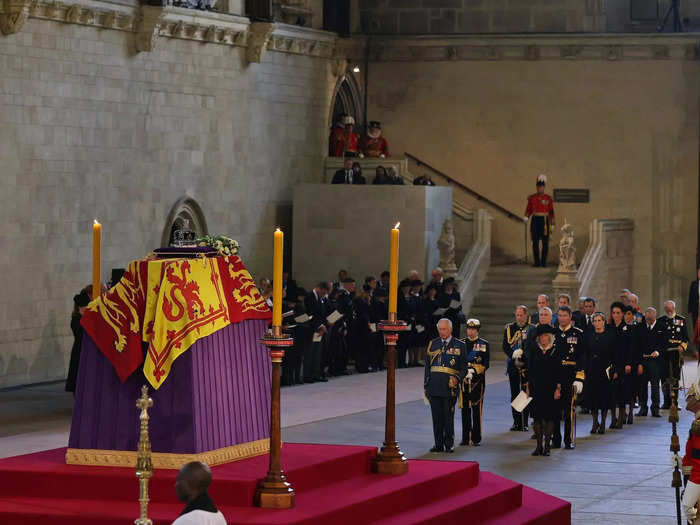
x,y
148,27
446,245
14,15
258,37
567,250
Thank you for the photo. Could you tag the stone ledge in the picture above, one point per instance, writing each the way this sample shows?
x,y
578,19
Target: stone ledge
x,y
536,47
152,22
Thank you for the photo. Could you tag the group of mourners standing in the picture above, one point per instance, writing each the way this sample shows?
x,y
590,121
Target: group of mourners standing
x,y
603,362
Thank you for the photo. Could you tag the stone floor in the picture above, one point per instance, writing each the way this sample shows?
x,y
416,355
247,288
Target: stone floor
x,y
622,477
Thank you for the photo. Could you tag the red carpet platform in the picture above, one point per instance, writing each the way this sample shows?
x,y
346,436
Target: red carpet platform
x,y
333,485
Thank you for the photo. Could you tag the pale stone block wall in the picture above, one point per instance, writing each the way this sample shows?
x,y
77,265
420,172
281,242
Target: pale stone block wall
x,y
90,129
341,226
627,129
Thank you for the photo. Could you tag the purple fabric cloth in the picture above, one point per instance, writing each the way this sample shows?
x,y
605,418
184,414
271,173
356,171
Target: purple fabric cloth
x,y
217,395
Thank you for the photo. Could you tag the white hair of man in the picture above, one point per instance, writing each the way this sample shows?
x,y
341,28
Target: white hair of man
x,y
521,307
633,296
669,301
446,320
438,270
546,297
650,309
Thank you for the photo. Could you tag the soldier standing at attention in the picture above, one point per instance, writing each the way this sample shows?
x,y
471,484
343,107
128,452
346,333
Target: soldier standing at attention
x,y
514,338
540,211
569,341
445,368
474,386
675,342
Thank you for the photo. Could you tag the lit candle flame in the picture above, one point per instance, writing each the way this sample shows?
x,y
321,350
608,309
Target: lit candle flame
x,y
397,226
95,222
278,229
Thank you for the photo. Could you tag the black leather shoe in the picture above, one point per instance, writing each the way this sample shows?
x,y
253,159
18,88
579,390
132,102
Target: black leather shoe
x,y
601,429
537,452
476,444
525,429
545,452
515,428
450,450
321,379
437,449
556,444
533,436
569,446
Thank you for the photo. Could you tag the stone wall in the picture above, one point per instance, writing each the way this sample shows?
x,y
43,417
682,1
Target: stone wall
x,y
340,226
478,16
91,128
616,115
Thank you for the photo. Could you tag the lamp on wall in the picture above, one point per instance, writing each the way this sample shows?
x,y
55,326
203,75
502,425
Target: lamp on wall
x,y
356,69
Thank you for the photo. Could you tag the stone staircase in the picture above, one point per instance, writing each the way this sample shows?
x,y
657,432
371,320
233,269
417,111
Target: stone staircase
x,y
505,287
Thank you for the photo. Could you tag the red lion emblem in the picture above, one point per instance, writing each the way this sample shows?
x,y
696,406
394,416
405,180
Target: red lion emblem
x,y
189,291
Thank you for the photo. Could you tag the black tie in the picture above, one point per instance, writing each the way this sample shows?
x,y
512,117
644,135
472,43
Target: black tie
x,y
347,177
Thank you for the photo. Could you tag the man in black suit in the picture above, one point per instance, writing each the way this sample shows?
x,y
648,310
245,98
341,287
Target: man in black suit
x,y
347,175
445,369
694,300
653,346
315,307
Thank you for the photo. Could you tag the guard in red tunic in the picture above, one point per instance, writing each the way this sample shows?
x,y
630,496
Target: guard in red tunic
x,y
344,141
540,211
373,144
691,460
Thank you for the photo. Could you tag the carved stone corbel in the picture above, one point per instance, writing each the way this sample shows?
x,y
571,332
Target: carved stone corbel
x,y
148,27
339,67
14,15
258,36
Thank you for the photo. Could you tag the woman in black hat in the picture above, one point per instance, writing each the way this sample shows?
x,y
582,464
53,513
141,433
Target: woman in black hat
x,y
599,347
80,303
544,386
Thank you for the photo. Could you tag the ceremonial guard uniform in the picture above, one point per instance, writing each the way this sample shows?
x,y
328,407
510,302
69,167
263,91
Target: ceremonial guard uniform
x,y
540,211
514,339
571,346
445,368
373,144
675,337
344,142
474,387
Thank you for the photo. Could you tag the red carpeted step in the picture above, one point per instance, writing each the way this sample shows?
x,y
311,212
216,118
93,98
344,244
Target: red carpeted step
x,y
538,508
370,497
307,466
492,497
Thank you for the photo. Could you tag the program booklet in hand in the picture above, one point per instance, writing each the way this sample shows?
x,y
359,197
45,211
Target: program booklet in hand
x,y
333,317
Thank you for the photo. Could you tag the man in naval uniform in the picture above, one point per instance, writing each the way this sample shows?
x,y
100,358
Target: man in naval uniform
x,y
540,211
474,384
445,369
514,339
569,341
675,340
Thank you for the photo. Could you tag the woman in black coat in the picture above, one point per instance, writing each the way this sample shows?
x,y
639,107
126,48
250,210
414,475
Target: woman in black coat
x,y
544,372
80,302
598,389
621,334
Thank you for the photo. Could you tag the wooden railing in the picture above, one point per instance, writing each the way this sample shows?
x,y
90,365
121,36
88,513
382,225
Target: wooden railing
x,y
478,196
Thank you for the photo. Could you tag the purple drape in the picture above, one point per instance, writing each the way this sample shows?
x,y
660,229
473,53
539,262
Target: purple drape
x,y
217,395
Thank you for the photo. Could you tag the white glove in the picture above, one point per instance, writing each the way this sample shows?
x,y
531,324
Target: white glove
x,y
525,219
655,354
690,500
517,354
361,155
578,387
470,374
676,460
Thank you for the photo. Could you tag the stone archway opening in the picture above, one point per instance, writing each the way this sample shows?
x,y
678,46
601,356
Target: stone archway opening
x,y
185,209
